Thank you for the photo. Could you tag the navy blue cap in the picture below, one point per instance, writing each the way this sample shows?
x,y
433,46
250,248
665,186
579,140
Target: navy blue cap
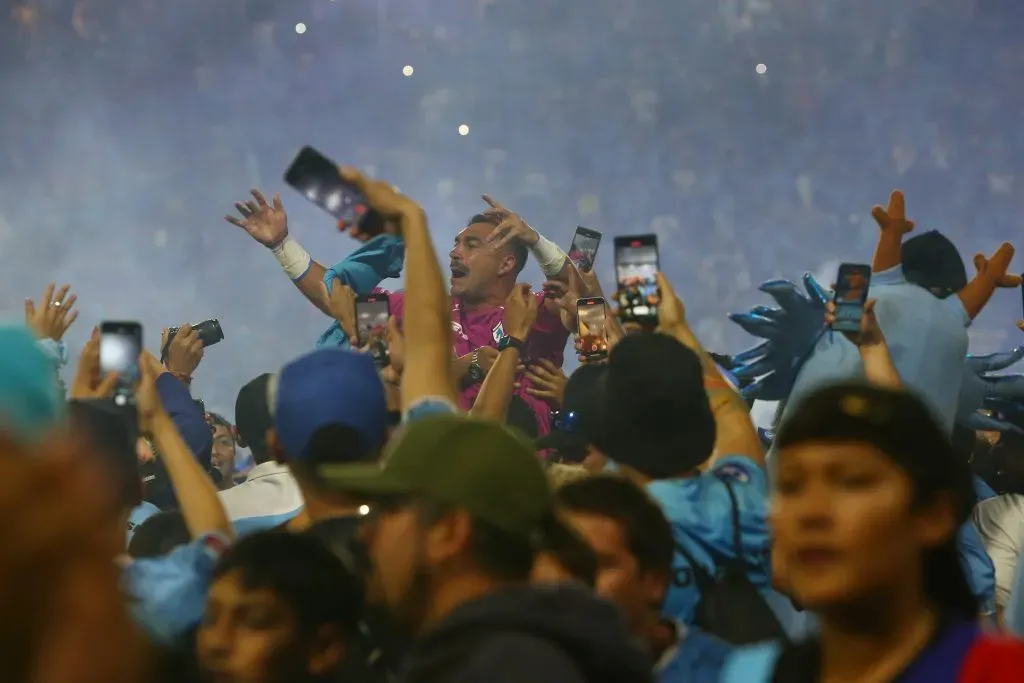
x,y
328,387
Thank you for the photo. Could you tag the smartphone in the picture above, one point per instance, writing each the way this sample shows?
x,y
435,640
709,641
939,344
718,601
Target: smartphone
x,y
120,346
316,178
583,250
851,294
592,328
636,264
372,313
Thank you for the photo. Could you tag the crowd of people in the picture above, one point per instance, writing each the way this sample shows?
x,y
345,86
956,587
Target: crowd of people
x,y
442,503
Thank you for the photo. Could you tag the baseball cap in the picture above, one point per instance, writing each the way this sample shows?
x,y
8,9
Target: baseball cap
x,y
480,466
572,426
252,412
329,387
654,415
31,400
899,425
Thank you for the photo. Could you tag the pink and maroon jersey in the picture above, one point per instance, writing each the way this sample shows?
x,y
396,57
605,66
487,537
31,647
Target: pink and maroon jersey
x,y
484,327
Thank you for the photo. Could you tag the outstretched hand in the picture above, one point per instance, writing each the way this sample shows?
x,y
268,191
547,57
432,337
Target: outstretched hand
x,y
265,222
894,216
54,315
511,227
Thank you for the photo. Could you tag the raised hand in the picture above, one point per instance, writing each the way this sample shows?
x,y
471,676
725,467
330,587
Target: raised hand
x,y
54,315
185,351
870,334
894,216
520,312
88,384
511,227
547,382
341,303
264,222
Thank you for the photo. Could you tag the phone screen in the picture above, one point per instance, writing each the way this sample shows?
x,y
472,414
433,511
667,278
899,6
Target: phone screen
x,y
372,314
636,265
583,251
593,331
316,177
120,346
851,294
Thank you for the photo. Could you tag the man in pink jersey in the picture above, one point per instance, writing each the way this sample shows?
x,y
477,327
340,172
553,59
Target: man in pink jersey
x,y
488,255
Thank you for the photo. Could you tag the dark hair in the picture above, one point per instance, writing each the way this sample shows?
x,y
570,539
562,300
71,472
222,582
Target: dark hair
x,y
522,418
159,535
252,418
645,528
902,427
496,552
218,420
303,572
653,413
931,260
1001,465
519,250
112,431
333,444
572,552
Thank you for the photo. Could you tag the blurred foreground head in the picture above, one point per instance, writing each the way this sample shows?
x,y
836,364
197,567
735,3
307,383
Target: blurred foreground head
x,y
869,497
31,399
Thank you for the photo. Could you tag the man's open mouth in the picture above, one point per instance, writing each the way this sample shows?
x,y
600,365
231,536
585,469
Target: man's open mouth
x,y
459,270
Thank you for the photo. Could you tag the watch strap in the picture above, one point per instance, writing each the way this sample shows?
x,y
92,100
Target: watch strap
x,y
512,342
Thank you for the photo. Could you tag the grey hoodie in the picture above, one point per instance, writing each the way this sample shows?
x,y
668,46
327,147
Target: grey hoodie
x,y
530,634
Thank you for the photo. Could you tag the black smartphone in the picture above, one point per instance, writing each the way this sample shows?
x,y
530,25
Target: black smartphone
x,y
583,250
372,313
120,346
316,178
851,294
592,327
636,264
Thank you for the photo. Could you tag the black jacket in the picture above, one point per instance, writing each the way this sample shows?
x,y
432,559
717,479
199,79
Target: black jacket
x,y
530,634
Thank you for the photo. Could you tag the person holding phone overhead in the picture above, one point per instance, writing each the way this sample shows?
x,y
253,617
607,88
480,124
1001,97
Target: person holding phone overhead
x,y
485,261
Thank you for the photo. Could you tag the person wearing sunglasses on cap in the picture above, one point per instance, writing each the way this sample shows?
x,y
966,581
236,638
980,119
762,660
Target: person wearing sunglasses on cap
x,y
869,497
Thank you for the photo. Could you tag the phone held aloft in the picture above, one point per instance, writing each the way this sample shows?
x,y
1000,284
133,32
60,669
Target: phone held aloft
x,y
209,332
592,327
851,295
316,177
120,346
636,268
583,250
372,313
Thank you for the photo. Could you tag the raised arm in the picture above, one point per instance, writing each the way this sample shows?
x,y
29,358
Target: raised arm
x,y
736,434
553,261
496,391
893,223
874,351
992,274
267,223
427,372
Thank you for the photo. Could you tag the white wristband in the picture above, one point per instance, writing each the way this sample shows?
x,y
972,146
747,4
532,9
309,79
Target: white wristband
x,y
293,258
549,255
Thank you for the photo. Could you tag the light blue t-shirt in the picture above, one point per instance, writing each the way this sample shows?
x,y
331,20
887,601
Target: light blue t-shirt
x,y
977,565
927,338
700,512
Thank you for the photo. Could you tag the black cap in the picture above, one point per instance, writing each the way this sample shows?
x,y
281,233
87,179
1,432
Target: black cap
x,y
655,415
931,261
900,425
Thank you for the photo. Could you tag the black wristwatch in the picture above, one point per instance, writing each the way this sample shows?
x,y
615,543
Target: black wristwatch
x,y
511,342
475,372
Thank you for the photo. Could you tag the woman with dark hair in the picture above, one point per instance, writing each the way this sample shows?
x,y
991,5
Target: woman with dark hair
x,y
868,500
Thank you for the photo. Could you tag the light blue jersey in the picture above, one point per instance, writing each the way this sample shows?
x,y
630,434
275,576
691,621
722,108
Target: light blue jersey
x,y
700,512
927,338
